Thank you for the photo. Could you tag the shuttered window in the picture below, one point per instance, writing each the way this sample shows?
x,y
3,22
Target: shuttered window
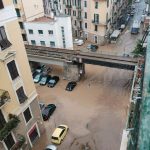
x,y
4,43
27,115
12,70
1,4
21,95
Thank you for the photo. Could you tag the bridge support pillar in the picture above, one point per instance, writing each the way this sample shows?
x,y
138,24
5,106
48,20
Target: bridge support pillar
x,y
73,71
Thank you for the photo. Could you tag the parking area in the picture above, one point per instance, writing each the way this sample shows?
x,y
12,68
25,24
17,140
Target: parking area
x,y
95,111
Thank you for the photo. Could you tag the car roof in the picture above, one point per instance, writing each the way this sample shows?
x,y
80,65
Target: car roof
x,y
57,132
51,147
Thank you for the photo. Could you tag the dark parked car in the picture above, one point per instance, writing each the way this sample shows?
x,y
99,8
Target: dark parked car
x,y
53,81
48,111
70,86
92,47
37,78
44,80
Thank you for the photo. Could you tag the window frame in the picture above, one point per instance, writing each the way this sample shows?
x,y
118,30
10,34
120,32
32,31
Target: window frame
x,y
40,32
16,75
30,31
24,115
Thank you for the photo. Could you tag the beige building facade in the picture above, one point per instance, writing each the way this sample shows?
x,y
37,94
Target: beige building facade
x,y
20,118
26,11
93,20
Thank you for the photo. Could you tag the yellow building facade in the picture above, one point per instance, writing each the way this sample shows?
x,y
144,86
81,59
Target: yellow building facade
x,y
20,117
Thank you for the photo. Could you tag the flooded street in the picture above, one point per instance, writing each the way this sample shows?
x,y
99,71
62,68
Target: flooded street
x,y
95,110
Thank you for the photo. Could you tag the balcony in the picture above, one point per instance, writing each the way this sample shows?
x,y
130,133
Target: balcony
x,y
80,28
97,22
9,126
79,18
78,7
4,97
69,6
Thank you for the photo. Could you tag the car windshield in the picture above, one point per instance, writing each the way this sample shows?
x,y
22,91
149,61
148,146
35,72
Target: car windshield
x,y
52,81
37,76
43,79
55,138
61,127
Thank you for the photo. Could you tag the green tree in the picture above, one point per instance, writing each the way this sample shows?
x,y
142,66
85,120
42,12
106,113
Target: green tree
x,y
138,50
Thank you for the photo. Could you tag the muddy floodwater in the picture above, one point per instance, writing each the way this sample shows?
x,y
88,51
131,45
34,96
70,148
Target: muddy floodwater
x,y
95,111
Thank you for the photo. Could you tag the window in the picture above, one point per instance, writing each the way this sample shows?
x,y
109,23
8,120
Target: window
x,y
75,22
21,95
24,37
9,141
12,70
62,133
4,43
107,3
96,29
95,39
50,31
33,42
40,31
30,31
1,4
96,5
52,44
86,25
85,3
15,1
96,18
2,120
27,115
42,43
74,13
85,15
18,12
21,25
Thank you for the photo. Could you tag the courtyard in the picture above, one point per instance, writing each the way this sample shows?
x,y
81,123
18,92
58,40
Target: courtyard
x,y
95,111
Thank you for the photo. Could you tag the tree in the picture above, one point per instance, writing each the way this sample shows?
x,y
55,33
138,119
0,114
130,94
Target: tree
x,y
138,50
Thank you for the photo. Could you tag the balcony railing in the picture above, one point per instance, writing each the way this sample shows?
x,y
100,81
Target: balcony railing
x,y
79,18
4,97
68,6
97,22
9,126
78,7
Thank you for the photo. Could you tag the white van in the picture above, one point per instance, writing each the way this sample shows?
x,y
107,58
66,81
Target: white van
x,y
114,36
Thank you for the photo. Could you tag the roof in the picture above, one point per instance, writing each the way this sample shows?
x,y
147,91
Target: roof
x,y
115,33
43,19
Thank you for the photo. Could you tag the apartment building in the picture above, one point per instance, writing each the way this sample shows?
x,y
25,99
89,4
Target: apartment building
x,y
20,118
55,32
93,20
27,11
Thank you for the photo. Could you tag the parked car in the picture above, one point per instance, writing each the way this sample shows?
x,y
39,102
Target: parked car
x,y
48,111
70,86
53,81
92,47
79,42
44,80
46,71
51,147
59,134
132,13
37,78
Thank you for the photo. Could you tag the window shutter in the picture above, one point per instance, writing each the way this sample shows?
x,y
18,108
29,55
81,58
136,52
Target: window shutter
x,y
1,4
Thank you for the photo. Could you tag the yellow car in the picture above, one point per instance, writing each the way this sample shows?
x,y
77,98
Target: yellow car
x,y
59,134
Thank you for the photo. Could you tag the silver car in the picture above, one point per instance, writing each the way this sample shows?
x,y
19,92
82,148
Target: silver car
x,y
51,147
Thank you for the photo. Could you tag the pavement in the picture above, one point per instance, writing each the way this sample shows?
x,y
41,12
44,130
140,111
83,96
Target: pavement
x,y
95,111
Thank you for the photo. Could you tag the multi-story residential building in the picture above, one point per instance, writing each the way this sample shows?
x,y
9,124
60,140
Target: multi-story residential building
x,y
53,32
26,12
93,20
20,117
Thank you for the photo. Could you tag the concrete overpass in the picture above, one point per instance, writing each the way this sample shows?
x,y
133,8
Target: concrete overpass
x,y
71,58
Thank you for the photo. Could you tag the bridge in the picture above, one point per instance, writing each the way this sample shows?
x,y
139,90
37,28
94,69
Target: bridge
x,y
38,53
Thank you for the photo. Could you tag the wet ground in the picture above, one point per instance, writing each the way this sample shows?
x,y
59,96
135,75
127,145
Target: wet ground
x,y
95,111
